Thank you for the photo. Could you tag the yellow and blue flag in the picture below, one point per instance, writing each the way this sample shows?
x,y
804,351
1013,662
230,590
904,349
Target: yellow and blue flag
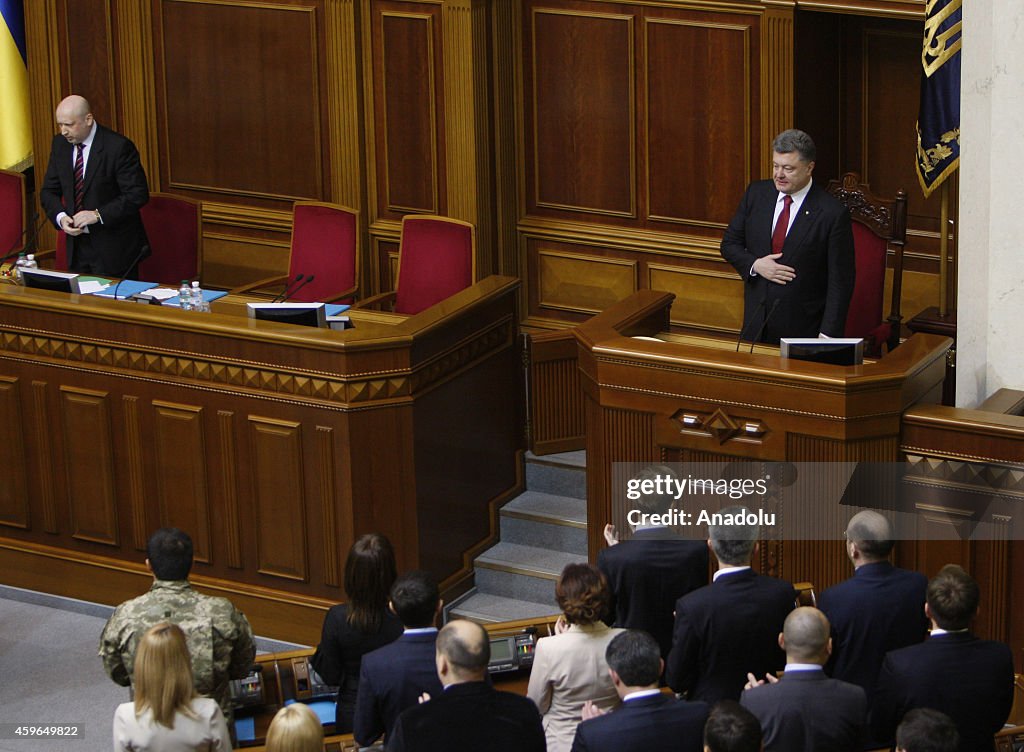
x,y
938,119
15,123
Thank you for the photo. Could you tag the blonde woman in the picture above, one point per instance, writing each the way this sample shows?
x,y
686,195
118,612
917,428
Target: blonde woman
x,y
167,715
295,728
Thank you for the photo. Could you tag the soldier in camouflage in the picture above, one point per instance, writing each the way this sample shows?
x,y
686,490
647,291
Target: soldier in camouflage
x,y
219,637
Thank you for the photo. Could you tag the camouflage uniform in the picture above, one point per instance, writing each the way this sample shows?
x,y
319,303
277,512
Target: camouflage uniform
x,y
219,637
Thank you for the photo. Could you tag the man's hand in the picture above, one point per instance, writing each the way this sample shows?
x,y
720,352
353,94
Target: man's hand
x,y
590,710
611,535
769,268
85,218
753,682
425,697
67,224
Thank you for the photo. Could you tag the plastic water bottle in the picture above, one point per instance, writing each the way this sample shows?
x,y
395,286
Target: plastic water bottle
x,y
18,266
198,304
185,296
30,262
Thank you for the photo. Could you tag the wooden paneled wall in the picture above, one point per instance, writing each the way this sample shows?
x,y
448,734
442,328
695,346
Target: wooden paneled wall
x,y
600,147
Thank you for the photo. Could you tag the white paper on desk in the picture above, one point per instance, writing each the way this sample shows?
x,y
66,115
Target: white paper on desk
x,y
160,293
91,286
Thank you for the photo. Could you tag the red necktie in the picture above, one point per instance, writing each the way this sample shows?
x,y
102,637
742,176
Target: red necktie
x,y
79,178
779,234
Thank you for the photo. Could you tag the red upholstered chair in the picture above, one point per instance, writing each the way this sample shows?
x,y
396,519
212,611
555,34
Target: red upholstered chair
x,y
57,258
175,239
325,244
12,211
436,259
879,225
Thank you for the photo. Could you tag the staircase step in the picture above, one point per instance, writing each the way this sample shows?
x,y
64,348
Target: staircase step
x,y
563,474
487,607
546,521
523,572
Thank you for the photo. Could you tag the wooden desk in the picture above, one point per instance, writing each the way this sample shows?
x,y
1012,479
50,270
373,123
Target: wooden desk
x,y
273,445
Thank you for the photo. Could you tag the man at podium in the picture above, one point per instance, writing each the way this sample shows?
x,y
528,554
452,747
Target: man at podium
x,y
792,244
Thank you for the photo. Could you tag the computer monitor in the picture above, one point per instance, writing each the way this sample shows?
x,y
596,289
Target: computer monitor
x,y
44,279
838,351
303,314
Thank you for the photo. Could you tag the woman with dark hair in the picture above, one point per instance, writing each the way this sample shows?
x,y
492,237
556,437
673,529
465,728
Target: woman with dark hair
x,y
363,624
569,667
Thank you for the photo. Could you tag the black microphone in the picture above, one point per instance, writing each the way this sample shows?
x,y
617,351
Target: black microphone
x,y
304,283
743,330
287,288
765,324
14,250
136,260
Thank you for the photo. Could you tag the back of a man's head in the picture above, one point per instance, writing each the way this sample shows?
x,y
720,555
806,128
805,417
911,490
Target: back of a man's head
x,y
660,480
953,598
169,551
731,728
466,647
635,656
732,537
806,634
872,534
415,598
927,730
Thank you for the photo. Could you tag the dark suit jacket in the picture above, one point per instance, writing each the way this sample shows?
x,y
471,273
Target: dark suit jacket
x,y
391,679
648,574
470,716
968,679
808,712
819,246
115,184
880,608
339,656
646,724
725,630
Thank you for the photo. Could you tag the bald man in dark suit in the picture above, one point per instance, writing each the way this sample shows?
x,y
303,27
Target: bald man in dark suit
x,y
93,191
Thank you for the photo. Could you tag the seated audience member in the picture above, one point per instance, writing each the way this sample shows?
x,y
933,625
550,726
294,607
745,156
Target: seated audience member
x,y
648,573
167,715
469,714
732,728
927,730
880,608
730,627
648,720
295,728
393,677
363,624
805,710
952,671
569,667
219,638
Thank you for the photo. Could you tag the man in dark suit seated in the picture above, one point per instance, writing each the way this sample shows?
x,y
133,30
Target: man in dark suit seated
x,y
469,714
649,572
730,627
880,608
648,720
806,710
927,730
393,677
952,671
732,728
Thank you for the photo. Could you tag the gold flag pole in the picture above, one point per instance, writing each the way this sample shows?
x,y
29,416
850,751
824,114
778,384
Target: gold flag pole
x,y
944,250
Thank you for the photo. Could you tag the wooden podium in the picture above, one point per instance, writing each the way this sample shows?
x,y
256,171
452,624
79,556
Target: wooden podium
x,y
687,399
273,445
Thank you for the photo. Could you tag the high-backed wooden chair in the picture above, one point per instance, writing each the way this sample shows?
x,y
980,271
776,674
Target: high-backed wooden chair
x,y
325,246
175,239
12,211
436,259
879,226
